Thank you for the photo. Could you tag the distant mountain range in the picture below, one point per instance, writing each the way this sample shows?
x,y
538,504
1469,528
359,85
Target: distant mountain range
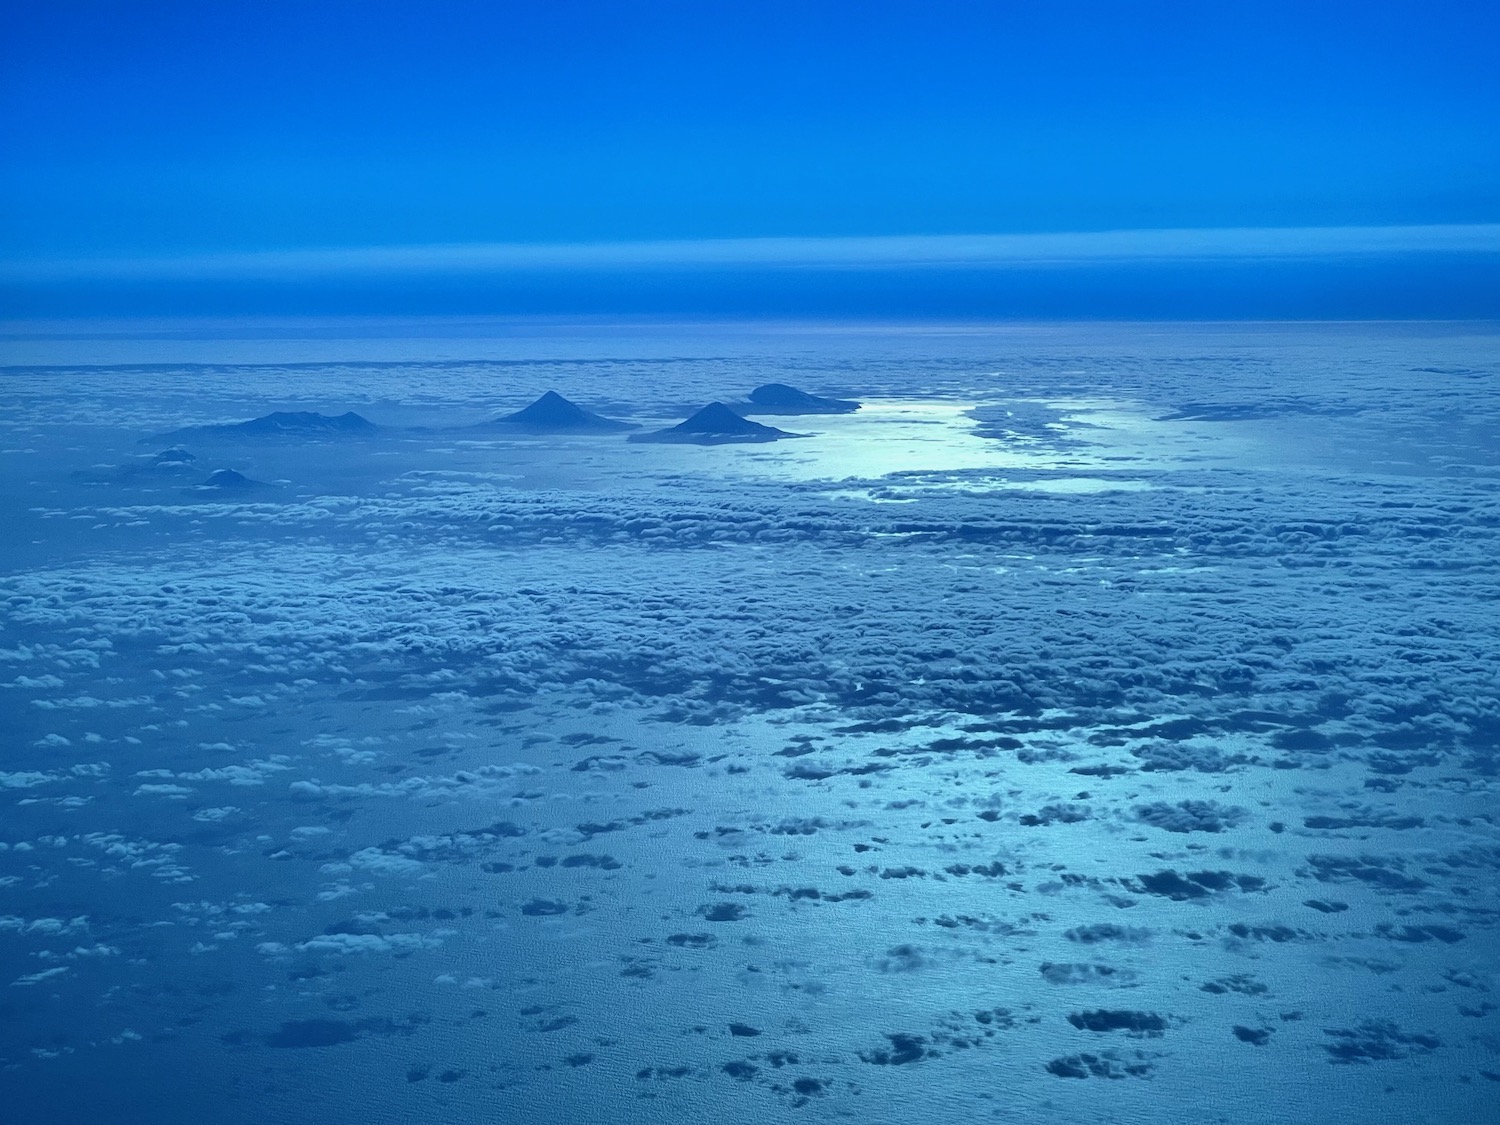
x,y
715,424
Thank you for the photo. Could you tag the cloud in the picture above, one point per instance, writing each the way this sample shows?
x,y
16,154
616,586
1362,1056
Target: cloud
x,y
48,926
979,251
1151,656
153,790
346,944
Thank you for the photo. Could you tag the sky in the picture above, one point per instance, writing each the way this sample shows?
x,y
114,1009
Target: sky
x,y
164,156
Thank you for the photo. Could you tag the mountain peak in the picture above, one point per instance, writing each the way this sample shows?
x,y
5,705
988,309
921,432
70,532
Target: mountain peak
x,y
778,398
716,424
716,418
306,422
553,413
230,479
285,423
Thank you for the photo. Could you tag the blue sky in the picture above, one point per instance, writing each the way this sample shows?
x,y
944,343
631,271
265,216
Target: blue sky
x,y
143,131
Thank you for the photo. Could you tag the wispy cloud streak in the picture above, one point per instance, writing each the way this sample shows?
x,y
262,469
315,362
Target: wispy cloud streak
x,y
981,251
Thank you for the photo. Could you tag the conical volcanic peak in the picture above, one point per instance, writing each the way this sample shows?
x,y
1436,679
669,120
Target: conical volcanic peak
x,y
554,414
287,423
778,398
716,418
231,481
716,424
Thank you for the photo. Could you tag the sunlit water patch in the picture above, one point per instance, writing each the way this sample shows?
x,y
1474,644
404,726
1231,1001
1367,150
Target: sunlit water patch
x,y
907,438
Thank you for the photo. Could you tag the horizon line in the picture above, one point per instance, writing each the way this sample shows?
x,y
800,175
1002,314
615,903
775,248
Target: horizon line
x,y
971,251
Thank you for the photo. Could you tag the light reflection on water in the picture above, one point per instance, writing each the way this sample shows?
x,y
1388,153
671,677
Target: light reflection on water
x,y
927,443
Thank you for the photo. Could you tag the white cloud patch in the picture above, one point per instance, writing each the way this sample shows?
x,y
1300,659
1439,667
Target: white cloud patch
x,y
349,944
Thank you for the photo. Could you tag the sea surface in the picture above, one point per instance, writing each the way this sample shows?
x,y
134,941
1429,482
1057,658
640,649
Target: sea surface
x,y
1100,725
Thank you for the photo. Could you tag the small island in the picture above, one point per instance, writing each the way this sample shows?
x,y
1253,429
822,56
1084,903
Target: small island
x,y
715,424
778,398
286,423
553,414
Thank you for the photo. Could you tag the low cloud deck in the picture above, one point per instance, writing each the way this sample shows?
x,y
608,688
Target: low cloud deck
x,y
1119,742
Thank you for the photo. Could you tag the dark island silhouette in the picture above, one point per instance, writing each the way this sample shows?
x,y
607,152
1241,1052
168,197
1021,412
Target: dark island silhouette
x,y
231,481
778,398
716,424
287,423
553,414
